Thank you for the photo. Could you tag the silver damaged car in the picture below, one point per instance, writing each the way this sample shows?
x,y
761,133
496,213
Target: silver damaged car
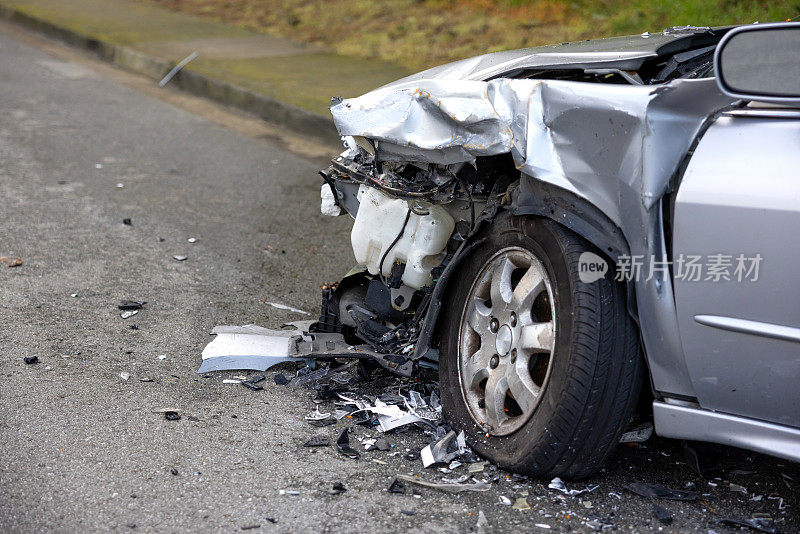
x,y
568,230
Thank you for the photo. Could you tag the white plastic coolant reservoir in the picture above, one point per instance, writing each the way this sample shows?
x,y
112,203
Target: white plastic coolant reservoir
x,y
378,223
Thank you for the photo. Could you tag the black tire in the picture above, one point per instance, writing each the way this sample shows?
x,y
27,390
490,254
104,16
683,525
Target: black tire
x,y
596,367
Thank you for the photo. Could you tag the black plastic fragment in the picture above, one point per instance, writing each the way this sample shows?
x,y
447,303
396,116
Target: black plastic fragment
x,y
397,486
131,304
662,514
251,527
654,491
31,360
338,488
172,416
317,441
174,471
127,222
255,379
250,385
380,444
407,512
343,445
281,380
757,524
412,455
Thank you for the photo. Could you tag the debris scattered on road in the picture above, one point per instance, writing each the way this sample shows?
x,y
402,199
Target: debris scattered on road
x,y
11,262
654,491
172,416
125,375
558,485
287,308
343,445
280,379
288,492
127,222
639,434
757,524
662,514
736,488
444,450
317,441
162,356
128,313
30,360
231,381
338,488
131,304
174,471
397,486
521,504
178,257
250,385
192,240
505,501
251,527
451,487
482,525
120,185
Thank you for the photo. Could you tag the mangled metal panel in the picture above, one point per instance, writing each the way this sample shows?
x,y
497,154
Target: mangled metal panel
x,y
616,146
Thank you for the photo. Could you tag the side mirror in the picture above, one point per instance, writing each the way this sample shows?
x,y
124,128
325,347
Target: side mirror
x,y
760,62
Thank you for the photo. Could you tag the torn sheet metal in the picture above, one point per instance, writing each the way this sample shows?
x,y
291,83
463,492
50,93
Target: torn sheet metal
x,y
444,450
257,348
616,146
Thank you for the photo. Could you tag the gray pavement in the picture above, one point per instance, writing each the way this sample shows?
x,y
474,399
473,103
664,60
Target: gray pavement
x,y
82,450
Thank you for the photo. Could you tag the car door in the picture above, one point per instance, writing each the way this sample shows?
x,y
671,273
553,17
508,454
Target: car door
x,y
737,216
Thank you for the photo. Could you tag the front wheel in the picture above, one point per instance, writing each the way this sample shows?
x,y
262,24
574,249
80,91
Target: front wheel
x,y
540,369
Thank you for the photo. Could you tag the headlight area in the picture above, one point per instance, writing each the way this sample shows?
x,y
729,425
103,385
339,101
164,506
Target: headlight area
x,y
410,220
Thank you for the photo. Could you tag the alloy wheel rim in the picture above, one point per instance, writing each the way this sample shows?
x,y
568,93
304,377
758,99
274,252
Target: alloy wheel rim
x,y
506,340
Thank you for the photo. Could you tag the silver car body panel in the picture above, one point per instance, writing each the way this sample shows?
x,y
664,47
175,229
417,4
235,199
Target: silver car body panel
x,y
616,146
686,422
740,338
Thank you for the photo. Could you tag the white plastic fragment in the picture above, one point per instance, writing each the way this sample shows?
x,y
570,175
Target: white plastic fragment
x,y
328,204
178,257
120,185
192,240
558,484
162,356
287,308
505,501
124,375
231,381
128,313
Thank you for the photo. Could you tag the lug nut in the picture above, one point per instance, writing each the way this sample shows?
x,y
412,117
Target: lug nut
x,y
494,362
494,326
512,320
513,355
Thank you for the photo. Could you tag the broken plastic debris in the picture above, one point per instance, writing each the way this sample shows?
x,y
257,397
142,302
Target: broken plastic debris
x,y
192,240
449,487
287,308
505,500
124,375
760,525
477,467
444,450
288,492
280,379
128,313
662,514
178,257
246,347
558,484
317,441
640,434
521,504
231,381
171,416
397,486
131,304
738,489
30,359
338,488
482,525
654,491
343,445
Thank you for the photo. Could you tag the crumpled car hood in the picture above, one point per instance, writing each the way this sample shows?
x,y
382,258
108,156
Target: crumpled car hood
x,y
624,53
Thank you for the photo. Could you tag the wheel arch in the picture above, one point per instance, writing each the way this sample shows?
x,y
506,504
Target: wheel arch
x,y
530,197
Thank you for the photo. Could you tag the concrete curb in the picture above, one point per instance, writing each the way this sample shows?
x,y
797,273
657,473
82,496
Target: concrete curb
x,y
271,110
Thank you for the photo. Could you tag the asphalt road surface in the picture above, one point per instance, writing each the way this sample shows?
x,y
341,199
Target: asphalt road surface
x,y
82,147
